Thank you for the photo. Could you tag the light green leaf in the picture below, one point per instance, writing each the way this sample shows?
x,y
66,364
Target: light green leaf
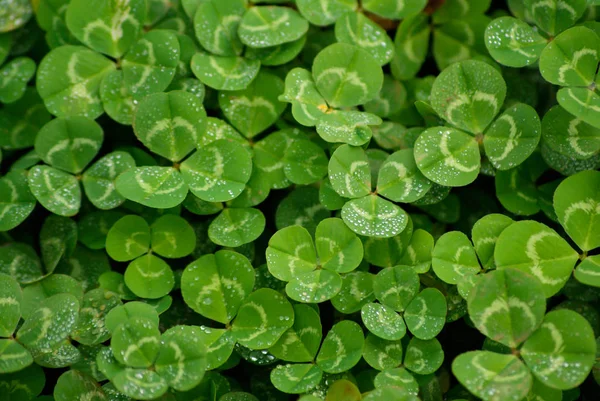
x,y
290,252
339,249
357,290
538,250
77,386
454,257
396,286
141,384
149,277
224,72
216,24
411,46
91,329
277,55
170,124
513,42
128,238
507,306
582,103
419,251
301,342
218,172
57,191
136,342
99,179
373,216
485,233
13,356
447,156
10,305
386,252
68,80
468,95
269,153
423,356
181,360
256,108
262,319
14,77
150,64
382,354
569,135
559,356
425,316
351,127
69,143
16,200
305,162
342,347
296,378
513,137
235,227
554,16
346,75
314,287
390,393
123,313
265,26
383,321
219,344
215,285
394,9
397,377
308,106
588,271
399,178
172,236
493,376
349,172
577,205
153,186
116,98
14,14
323,13
356,29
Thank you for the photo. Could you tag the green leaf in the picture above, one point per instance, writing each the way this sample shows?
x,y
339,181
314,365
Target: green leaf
x,y
588,271
290,252
215,285
301,207
308,105
397,377
57,191
15,14
468,95
386,252
569,135
485,233
14,78
99,179
53,284
224,72
77,386
454,258
13,356
301,342
216,24
116,98
153,186
150,64
269,153
391,393
68,80
357,290
339,249
346,75
396,286
423,356
115,282
172,236
373,216
383,321
425,316
256,108
582,103
265,26
351,127
91,329
323,13
305,162
349,172
447,156
393,9
25,384
123,313
136,342
262,319
382,354
492,376
277,55
16,200
296,378
342,348
513,137
559,356
170,124
507,306
10,305
109,28
411,46
314,287
576,201
356,29
516,191
554,16
538,250
513,42
20,121
571,59
69,143
141,384
181,360
50,324
236,227
399,178
149,277
419,251
128,238
219,344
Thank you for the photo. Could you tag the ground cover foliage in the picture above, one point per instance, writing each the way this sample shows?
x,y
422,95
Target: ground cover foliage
x,y
339,200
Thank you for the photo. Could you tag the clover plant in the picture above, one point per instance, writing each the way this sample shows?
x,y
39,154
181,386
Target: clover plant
x,y
313,200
